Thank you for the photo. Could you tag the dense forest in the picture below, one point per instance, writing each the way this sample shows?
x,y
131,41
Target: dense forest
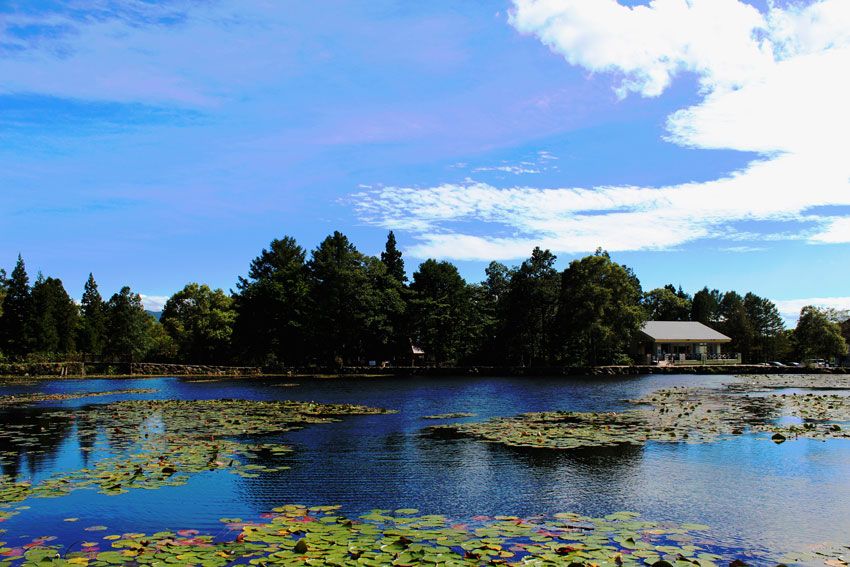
x,y
337,306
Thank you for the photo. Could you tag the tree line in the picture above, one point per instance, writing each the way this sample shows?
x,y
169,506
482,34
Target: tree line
x,y
337,306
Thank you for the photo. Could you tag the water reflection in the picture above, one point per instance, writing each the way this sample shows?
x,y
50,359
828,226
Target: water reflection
x,y
30,440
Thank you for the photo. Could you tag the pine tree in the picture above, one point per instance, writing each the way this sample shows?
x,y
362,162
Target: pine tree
x,y
14,336
91,337
391,258
271,305
54,316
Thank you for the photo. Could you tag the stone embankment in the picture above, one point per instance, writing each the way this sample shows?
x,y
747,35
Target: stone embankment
x,y
551,370
82,369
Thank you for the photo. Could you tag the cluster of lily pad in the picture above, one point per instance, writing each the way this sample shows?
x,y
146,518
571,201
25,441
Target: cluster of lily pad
x,y
689,415
27,399
296,535
454,415
774,381
156,443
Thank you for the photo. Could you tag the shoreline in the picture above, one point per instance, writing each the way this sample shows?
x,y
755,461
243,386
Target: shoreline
x,y
59,371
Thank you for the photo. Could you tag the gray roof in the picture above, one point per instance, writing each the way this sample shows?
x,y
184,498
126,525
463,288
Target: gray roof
x,y
682,331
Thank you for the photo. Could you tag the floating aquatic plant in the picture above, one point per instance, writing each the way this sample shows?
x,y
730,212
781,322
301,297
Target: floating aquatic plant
x,y
156,443
689,415
27,399
455,415
297,535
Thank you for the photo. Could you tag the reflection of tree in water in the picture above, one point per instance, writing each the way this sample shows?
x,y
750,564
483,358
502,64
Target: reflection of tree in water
x,y
32,434
611,467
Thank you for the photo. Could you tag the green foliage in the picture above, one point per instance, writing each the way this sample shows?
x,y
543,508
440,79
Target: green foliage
x,y
52,324
344,307
91,336
200,320
127,326
599,311
667,304
17,306
817,336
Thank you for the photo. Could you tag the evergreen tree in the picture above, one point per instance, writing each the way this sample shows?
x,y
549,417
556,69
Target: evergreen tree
x,y
200,322
705,306
492,306
53,317
532,306
437,311
391,258
351,303
91,337
127,327
599,313
768,330
14,323
272,307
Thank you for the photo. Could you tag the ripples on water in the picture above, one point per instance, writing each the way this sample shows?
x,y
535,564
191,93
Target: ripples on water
x,y
753,493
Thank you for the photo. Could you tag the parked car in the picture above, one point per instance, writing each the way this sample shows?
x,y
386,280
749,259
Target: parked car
x,y
777,364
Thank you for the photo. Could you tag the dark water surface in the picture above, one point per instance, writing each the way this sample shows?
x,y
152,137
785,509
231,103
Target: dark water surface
x,y
754,494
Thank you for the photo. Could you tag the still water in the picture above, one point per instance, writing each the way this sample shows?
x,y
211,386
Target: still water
x,y
754,494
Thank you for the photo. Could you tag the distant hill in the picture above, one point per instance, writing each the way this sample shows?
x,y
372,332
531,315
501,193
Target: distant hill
x,y
155,314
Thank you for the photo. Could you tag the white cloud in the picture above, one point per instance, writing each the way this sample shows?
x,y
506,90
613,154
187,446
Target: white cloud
x,y
790,308
775,83
154,302
649,44
836,231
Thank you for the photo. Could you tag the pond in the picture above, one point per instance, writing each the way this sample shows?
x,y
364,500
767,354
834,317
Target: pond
x,y
754,494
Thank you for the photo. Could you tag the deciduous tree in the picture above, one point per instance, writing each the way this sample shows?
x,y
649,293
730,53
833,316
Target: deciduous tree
x,y
200,321
817,336
600,313
127,326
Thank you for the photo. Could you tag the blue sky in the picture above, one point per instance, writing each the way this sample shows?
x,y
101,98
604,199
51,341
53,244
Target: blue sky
x,y
703,142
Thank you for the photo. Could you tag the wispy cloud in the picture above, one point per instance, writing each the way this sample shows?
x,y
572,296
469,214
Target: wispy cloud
x,y
772,83
743,249
540,162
